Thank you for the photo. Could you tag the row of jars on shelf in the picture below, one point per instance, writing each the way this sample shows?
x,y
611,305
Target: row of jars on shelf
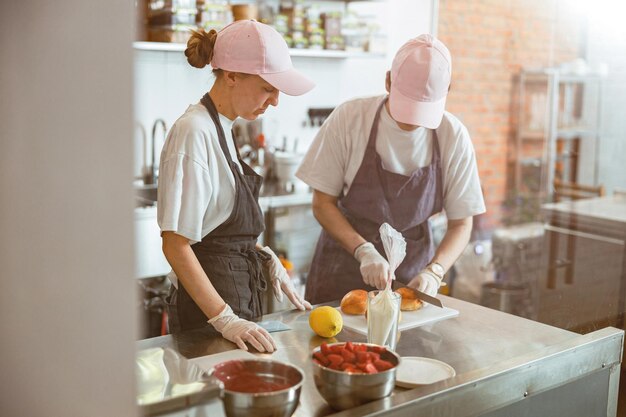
x,y
301,26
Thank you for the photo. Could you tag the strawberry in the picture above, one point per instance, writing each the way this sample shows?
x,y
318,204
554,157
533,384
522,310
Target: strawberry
x,y
362,357
335,360
348,356
383,365
370,368
321,358
378,349
325,349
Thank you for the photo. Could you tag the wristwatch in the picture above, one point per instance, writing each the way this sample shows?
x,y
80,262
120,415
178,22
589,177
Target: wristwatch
x,y
437,269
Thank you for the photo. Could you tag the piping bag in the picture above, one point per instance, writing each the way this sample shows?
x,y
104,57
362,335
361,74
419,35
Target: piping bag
x,y
383,311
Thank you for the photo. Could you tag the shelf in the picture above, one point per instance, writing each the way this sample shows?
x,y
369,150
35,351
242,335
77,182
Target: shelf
x,y
575,133
565,134
306,53
543,75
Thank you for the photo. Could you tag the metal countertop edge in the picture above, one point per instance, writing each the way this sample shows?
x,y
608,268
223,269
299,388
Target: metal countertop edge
x,y
584,354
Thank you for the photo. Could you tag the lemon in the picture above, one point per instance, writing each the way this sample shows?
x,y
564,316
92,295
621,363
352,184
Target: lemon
x,y
325,321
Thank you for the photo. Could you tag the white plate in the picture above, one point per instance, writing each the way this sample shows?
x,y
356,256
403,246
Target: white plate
x,y
415,371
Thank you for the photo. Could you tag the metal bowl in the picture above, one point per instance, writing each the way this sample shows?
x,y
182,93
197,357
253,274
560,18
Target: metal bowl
x,y
276,387
343,390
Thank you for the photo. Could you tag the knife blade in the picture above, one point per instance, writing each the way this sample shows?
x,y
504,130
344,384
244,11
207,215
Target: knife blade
x,y
422,296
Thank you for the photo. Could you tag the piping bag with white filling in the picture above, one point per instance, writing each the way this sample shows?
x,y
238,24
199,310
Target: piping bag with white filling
x,y
383,310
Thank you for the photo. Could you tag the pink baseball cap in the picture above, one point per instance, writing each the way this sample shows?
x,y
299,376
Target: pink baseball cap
x,y
420,79
251,47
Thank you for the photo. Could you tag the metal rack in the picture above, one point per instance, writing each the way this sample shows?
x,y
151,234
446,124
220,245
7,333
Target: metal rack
x,y
555,108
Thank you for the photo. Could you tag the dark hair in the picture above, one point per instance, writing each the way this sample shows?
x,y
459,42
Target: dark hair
x,y
200,46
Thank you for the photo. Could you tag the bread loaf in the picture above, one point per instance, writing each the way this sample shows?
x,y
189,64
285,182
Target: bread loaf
x,y
410,302
354,302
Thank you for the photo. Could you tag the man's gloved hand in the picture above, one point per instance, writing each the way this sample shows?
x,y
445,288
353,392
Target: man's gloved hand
x,y
240,331
374,268
426,282
281,282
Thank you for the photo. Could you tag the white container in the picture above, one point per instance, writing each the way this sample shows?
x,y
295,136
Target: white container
x,y
285,165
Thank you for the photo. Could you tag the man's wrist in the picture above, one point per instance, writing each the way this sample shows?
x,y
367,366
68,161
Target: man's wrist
x,y
359,248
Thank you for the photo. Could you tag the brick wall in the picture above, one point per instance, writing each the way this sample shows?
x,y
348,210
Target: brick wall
x,y
490,41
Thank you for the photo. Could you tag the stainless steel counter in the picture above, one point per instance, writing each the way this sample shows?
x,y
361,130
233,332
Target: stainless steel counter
x,y
505,365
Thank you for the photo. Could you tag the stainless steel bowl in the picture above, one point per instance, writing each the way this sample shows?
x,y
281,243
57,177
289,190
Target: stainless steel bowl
x,y
281,402
343,390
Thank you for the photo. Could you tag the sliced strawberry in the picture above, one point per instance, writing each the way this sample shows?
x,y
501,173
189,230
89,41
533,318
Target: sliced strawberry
x,y
362,357
373,356
336,349
383,365
325,349
335,360
370,368
349,346
359,348
361,366
321,358
378,349
348,356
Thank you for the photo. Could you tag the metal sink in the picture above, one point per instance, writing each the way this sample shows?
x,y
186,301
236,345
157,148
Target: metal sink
x,y
145,195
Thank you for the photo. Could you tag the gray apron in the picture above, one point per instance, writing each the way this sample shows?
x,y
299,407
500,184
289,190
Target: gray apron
x,y
377,196
228,254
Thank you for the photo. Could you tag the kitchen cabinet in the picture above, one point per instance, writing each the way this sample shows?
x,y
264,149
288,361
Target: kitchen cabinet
x,y
505,366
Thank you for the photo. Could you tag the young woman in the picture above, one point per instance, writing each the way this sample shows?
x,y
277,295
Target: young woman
x,y
208,207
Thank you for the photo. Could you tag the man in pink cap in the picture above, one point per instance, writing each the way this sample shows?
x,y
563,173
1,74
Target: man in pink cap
x,y
398,158
208,207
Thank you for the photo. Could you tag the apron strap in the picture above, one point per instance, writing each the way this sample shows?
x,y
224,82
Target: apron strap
x,y
371,142
208,103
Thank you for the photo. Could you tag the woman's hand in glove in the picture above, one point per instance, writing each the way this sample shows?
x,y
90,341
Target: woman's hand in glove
x,y
374,268
426,282
281,282
240,331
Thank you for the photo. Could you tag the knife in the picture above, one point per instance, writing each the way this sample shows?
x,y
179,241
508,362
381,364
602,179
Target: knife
x,y
422,296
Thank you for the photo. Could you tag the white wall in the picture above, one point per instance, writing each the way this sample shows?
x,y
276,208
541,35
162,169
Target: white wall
x,y
67,294
166,84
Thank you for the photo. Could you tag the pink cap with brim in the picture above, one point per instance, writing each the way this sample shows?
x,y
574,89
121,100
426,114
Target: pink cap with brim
x,y
420,79
251,47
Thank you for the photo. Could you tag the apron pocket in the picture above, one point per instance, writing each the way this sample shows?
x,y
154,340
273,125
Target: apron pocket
x,y
240,273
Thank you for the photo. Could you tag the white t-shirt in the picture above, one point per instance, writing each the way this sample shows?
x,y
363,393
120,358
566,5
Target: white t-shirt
x,y
196,186
336,154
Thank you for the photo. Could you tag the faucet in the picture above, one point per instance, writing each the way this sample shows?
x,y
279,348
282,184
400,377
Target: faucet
x,y
152,176
144,155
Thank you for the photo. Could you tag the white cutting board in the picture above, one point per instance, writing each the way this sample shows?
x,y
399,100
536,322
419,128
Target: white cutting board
x,y
410,319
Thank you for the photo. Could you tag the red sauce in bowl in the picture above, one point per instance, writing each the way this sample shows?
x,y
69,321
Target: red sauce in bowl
x,y
238,377
254,383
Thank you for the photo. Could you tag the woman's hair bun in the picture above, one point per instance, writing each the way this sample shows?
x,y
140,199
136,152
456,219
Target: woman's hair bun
x,y
200,46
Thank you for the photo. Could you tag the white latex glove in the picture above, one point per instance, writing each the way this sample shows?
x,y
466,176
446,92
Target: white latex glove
x,y
426,282
374,268
240,331
281,282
